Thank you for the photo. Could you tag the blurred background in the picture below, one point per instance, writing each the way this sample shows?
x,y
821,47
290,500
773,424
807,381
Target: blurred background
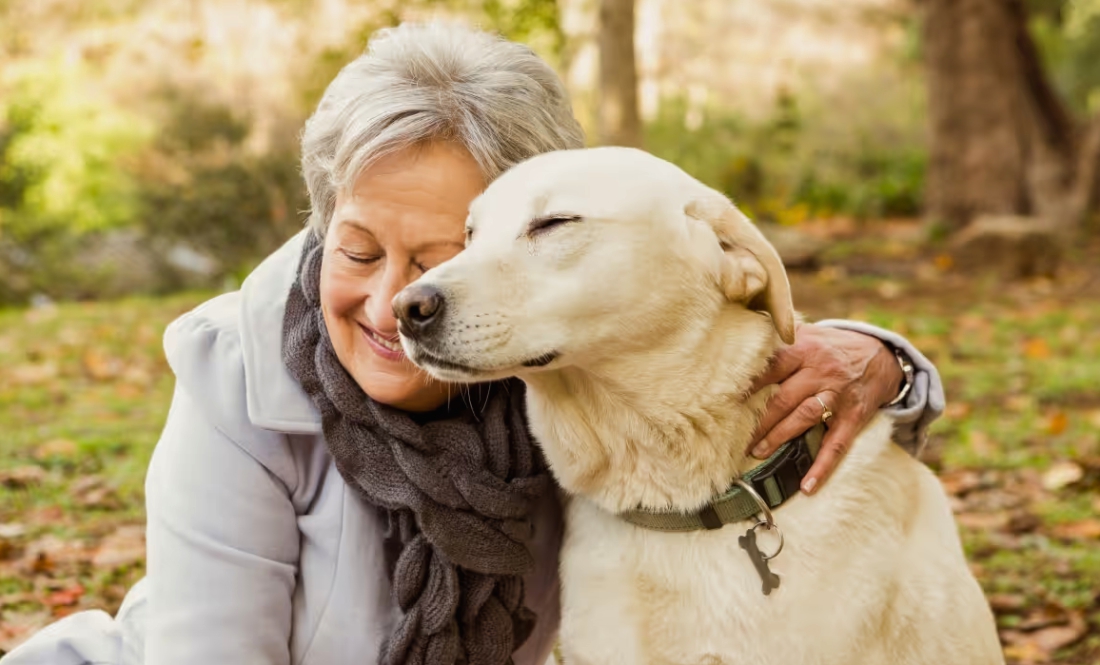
x,y
928,165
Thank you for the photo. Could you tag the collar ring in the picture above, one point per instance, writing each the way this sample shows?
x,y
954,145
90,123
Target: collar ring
x,y
769,520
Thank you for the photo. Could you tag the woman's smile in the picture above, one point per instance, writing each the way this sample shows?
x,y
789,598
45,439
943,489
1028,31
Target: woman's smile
x,y
388,348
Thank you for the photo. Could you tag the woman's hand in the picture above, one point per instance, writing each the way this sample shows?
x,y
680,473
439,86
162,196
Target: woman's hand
x,y
853,374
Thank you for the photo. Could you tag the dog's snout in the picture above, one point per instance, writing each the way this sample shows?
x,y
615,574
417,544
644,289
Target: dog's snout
x,y
417,307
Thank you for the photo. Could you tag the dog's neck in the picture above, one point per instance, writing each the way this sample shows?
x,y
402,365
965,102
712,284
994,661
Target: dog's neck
x,y
667,428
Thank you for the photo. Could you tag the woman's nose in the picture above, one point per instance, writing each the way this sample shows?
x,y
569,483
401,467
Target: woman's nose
x,y
380,305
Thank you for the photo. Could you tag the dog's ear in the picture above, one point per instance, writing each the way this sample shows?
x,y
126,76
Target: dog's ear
x,y
752,272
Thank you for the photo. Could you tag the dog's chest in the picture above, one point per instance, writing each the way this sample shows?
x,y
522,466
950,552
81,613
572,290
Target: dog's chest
x,y
698,597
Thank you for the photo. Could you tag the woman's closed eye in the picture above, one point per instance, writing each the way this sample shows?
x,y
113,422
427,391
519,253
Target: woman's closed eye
x,y
365,259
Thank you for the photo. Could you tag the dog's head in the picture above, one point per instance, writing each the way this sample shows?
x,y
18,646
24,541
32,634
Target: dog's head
x,y
577,256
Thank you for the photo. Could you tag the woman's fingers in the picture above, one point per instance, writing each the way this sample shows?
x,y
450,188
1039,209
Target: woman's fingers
x,y
784,363
791,393
838,440
793,420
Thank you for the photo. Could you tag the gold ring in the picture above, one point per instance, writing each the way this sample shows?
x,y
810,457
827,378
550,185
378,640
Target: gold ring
x,y
826,413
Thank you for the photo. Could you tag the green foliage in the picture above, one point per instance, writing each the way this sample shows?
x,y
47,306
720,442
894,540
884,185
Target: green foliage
x,y
62,156
533,22
203,186
789,166
1068,35
877,182
536,23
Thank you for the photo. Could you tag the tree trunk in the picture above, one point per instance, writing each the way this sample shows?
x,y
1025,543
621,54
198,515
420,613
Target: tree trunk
x,y
976,155
1001,140
619,120
1063,156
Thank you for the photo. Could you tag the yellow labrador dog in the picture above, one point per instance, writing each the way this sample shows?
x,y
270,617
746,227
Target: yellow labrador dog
x,y
637,305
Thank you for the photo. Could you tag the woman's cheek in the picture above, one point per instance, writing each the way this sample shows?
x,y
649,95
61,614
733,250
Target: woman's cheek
x,y
344,292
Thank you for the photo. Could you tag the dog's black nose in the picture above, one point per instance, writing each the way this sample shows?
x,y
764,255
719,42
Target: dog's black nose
x,y
417,307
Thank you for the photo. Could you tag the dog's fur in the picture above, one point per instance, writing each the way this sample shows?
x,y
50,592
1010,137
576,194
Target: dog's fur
x,y
638,329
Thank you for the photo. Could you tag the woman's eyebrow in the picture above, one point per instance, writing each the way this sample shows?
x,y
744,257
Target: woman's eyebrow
x,y
355,224
441,243
359,227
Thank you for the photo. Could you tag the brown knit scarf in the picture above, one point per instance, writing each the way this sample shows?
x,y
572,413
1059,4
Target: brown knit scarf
x,y
458,490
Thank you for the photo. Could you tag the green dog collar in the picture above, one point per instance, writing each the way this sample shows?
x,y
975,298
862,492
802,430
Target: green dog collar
x,y
776,480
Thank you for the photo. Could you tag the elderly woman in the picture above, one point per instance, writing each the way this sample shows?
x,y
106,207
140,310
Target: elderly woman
x,y
315,498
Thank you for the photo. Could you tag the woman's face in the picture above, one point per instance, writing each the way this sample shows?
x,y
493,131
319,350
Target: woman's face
x,y
405,214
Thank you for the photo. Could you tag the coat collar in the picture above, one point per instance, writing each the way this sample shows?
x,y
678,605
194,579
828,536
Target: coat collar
x,y
274,398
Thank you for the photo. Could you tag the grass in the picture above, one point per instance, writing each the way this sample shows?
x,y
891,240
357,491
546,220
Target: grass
x,y
84,390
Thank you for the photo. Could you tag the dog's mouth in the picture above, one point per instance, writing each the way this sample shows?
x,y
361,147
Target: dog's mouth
x,y
449,370
446,369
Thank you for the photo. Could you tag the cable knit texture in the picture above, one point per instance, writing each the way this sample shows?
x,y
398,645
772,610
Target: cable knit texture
x,y
458,489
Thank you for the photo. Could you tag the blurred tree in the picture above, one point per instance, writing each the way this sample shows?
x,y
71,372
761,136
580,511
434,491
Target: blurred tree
x,y
530,22
201,186
1003,140
619,118
61,147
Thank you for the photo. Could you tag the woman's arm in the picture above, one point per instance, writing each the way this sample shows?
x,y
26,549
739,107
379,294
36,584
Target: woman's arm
x,y
222,549
852,368
925,401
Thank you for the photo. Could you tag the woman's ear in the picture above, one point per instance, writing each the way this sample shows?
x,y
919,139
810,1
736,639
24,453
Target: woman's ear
x,y
752,272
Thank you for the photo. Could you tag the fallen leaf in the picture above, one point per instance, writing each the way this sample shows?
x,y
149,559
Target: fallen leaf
x,y
1042,632
1022,652
1070,334
45,515
1061,474
101,367
16,628
830,274
68,596
1052,637
1094,417
22,477
1057,422
971,322
944,262
1019,403
124,547
17,598
48,553
94,492
1086,529
56,448
994,499
1023,522
983,521
33,374
138,376
957,410
12,530
982,444
1006,602
889,289
41,562
1037,348
1048,614
958,482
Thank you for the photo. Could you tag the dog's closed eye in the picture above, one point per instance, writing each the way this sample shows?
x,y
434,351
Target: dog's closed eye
x,y
548,223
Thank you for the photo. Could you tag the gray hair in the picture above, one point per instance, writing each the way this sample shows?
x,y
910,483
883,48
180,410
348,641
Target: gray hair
x,y
418,83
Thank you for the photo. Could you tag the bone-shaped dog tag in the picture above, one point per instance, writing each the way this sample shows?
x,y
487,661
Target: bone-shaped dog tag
x,y
748,543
